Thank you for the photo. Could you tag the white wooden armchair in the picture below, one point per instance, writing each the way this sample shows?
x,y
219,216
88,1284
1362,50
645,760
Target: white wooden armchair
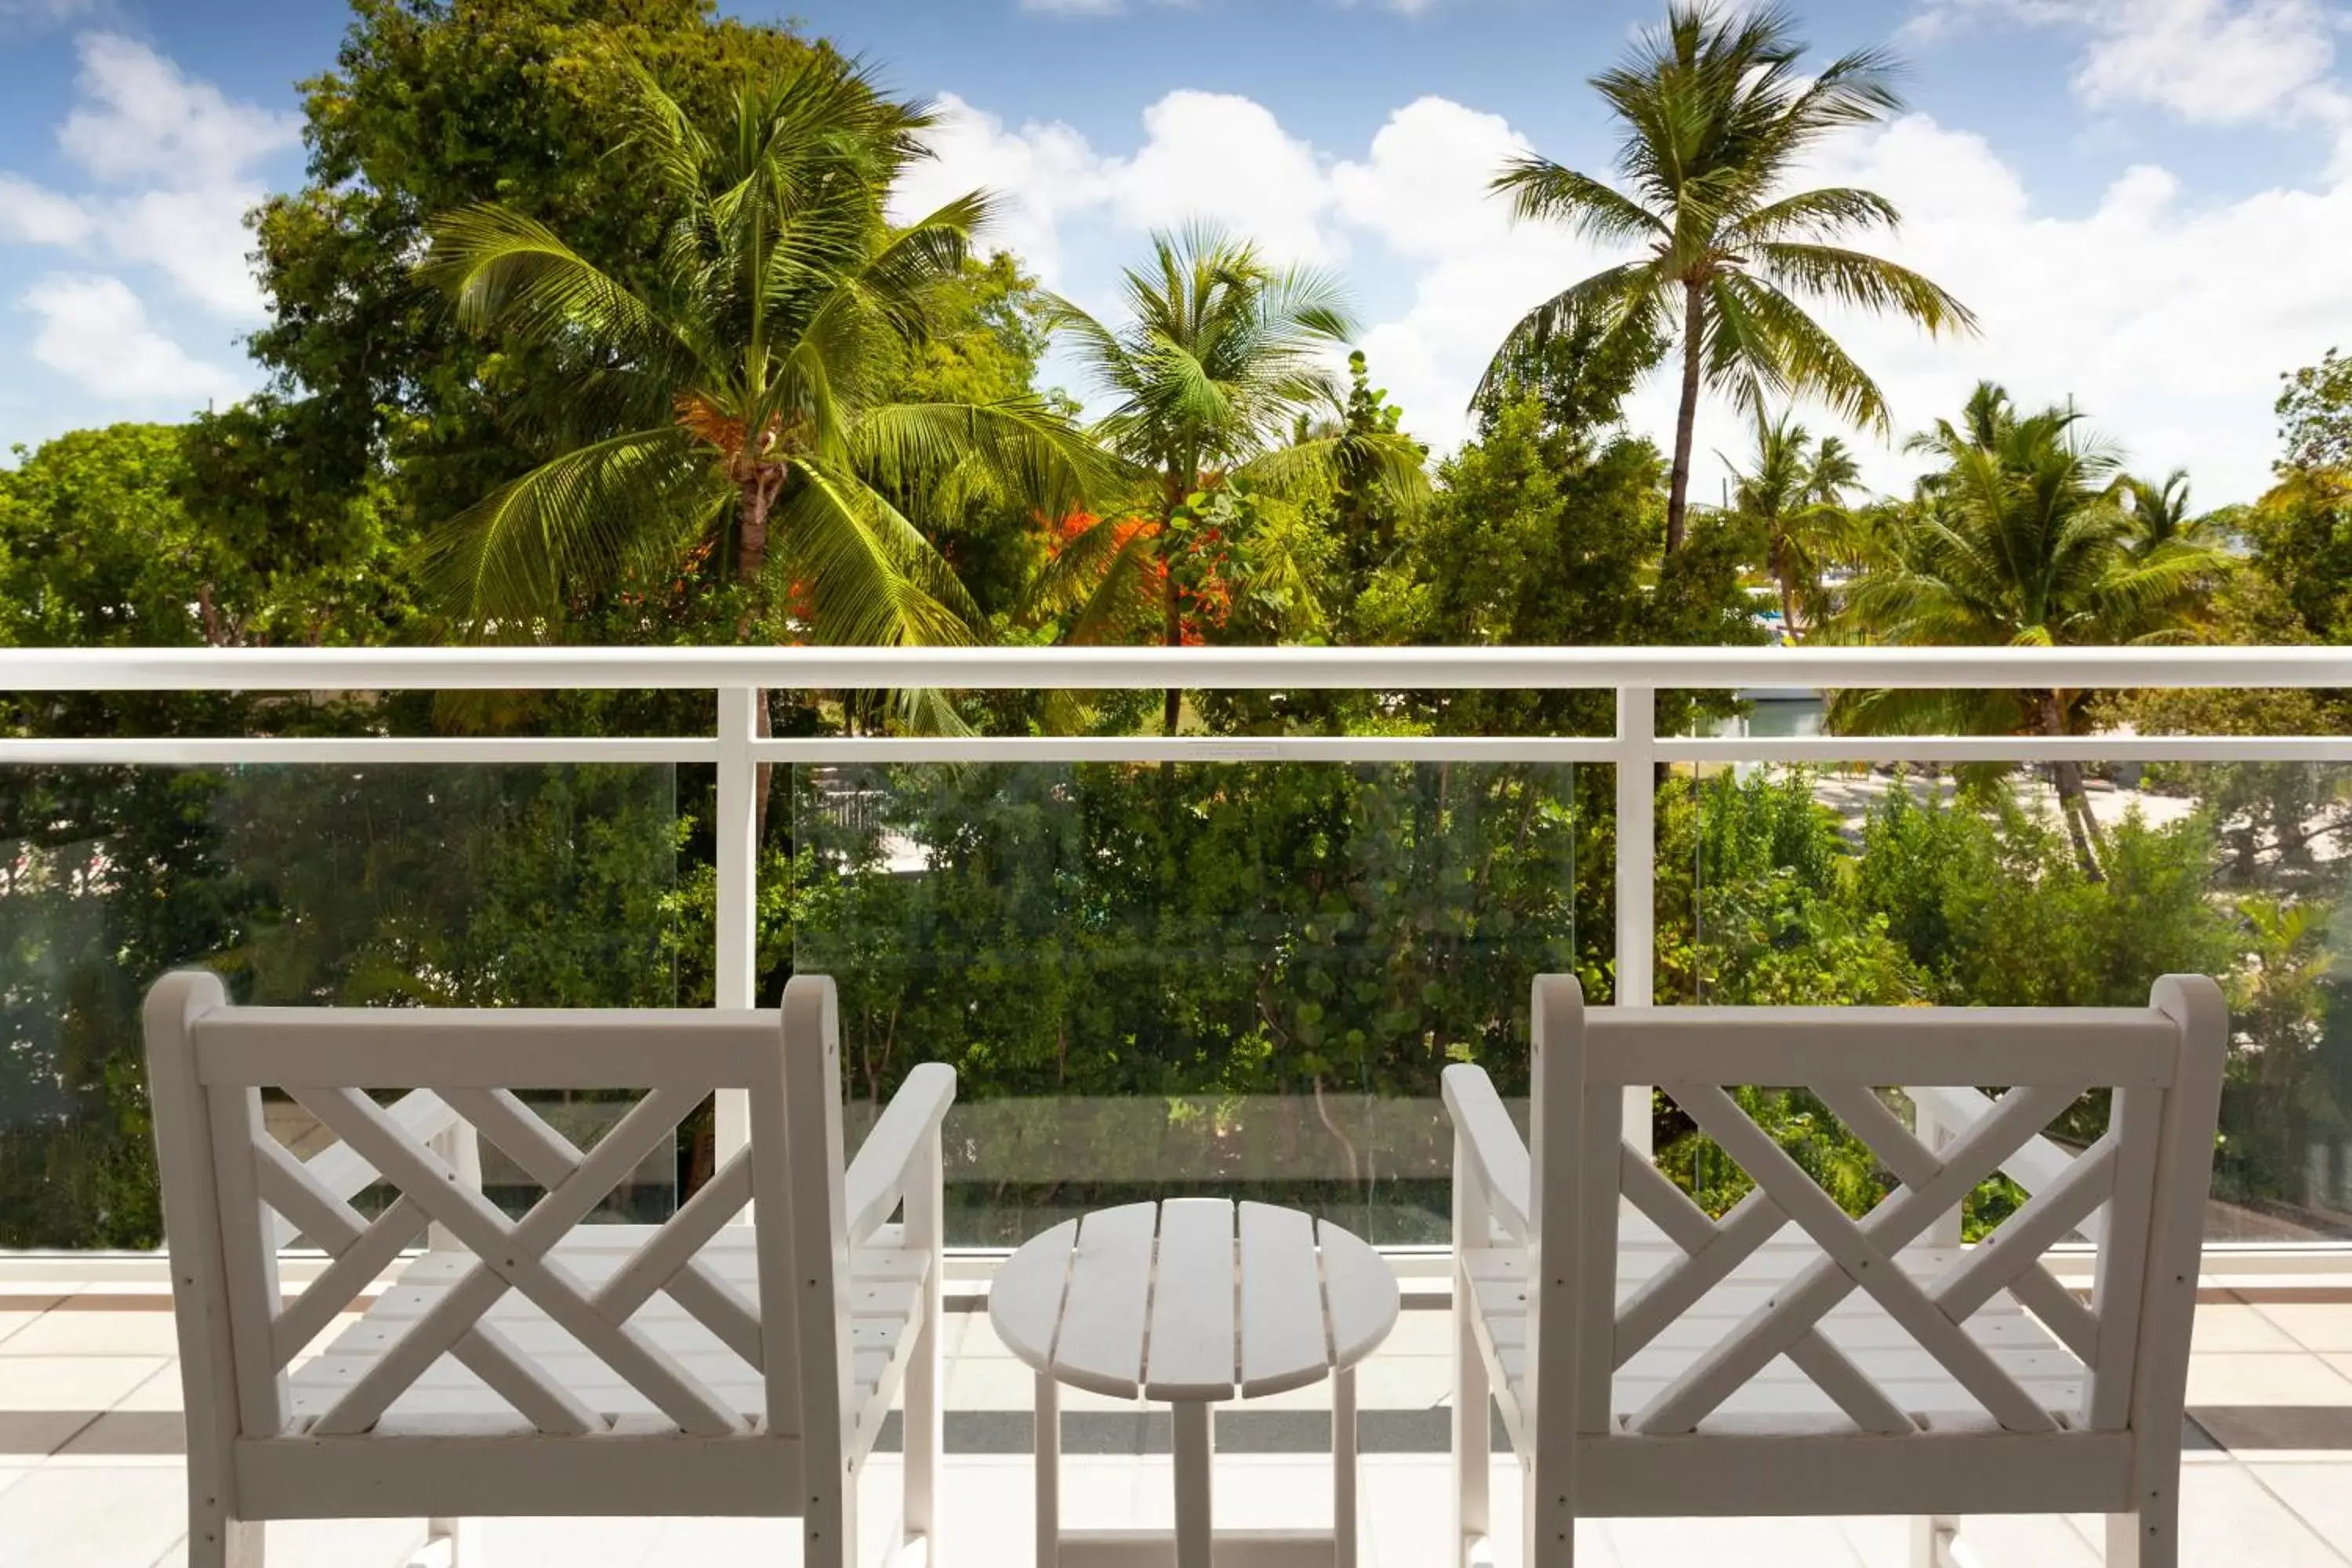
x,y
541,1367
1786,1358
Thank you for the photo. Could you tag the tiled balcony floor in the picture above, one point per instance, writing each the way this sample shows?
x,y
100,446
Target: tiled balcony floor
x,y
91,1469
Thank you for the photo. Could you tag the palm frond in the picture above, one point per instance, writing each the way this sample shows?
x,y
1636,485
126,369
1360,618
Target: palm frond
x,y
1866,282
1820,215
1018,447
1622,296
508,272
1781,347
577,521
1540,189
869,577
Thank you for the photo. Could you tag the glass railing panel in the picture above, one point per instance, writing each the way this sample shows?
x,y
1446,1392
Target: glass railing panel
x,y
370,886
1972,884
1229,978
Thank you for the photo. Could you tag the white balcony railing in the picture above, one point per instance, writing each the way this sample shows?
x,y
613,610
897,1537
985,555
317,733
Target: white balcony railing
x,y
735,674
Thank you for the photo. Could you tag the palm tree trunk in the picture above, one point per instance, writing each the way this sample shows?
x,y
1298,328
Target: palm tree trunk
x,y
758,496
2073,800
1686,419
1171,631
1787,605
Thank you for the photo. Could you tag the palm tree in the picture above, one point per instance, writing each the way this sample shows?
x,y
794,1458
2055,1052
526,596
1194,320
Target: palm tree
x,y
1715,117
2018,541
739,407
2159,514
1221,359
1795,496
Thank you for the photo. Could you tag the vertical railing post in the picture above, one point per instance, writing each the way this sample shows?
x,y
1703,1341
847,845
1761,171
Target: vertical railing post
x,y
1636,873
739,888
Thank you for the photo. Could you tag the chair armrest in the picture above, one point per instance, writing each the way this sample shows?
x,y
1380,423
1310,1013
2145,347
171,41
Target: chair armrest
x,y
876,1178
1482,1134
2036,1165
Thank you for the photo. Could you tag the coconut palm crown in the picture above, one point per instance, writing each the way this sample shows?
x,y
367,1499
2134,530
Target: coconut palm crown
x,y
1717,116
740,405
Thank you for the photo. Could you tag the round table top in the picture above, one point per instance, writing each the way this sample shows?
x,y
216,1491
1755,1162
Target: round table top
x,y
1192,1299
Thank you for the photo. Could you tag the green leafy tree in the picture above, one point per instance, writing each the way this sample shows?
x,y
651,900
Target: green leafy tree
x,y
1716,116
2314,413
432,105
1220,354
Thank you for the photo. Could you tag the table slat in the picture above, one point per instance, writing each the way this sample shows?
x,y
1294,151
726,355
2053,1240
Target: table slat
x,y
1360,1292
1282,1302
1192,1349
1100,1347
1024,1301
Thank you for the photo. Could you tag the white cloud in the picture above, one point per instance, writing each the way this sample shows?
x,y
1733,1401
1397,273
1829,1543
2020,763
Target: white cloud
x,y
2207,62
95,330
33,215
1041,172
1205,155
2166,320
1423,189
1075,7
1226,159
142,118
180,156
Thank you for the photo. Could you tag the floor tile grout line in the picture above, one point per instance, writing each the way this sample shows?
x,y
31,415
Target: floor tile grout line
x,y
2303,1344
2254,1474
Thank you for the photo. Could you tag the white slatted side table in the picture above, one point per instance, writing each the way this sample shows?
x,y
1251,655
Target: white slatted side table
x,y
1193,1302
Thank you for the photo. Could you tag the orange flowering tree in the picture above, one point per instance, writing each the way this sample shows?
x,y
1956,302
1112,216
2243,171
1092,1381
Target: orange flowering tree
x,y
1224,411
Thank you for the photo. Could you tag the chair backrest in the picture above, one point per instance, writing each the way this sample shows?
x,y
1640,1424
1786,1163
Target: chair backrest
x,y
2145,1177
231,1191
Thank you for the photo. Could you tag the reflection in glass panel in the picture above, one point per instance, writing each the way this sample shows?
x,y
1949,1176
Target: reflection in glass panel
x,y
1235,979
1974,885
393,885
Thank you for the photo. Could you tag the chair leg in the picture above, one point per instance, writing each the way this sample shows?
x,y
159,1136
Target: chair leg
x,y
216,1541
2148,1539
829,1527
1547,1535
921,1425
450,1543
1473,1433
1932,1535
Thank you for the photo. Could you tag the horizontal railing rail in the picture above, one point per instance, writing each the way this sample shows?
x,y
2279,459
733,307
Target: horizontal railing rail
x,y
736,750
1199,669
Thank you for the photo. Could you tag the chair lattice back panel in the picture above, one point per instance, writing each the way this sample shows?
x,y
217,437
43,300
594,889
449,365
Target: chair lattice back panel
x,y
548,1319
1778,1288
1868,1255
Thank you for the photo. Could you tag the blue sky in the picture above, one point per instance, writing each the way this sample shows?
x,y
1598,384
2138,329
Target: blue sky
x,y
2145,201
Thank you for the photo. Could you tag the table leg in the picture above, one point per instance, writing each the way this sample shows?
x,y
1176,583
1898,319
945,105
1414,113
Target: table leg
x,y
1192,1450
1049,1472
1343,1467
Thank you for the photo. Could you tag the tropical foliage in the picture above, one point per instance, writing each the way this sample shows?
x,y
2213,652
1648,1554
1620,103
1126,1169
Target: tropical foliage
x,y
680,366
1716,112
746,405
1214,385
